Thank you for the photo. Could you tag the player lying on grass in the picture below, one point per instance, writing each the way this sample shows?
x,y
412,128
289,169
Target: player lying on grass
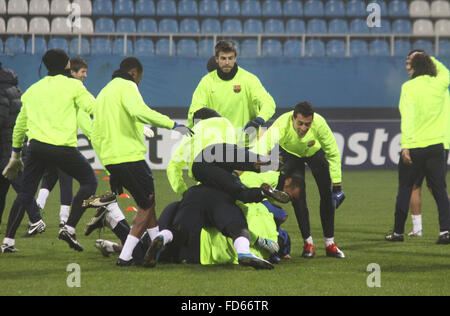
x,y
211,155
196,223
195,230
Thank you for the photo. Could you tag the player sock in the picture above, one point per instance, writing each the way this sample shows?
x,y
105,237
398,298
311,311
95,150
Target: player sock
x,y
168,236
70,229
110,246
121,230
242,245
417,222
42,198
153,232
309,240
9,241
128,247
64,213
329,241
114,215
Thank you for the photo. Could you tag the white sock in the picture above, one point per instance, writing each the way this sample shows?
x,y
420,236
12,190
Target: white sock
x,y
444,232
127,250
42,198
329,241
153,232
168,236
9,241
114,215
417,222
110,246
64,212
70,229
242,245
309,240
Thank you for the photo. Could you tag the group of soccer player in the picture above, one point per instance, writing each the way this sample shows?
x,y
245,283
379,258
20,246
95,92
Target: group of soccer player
x,y
243,171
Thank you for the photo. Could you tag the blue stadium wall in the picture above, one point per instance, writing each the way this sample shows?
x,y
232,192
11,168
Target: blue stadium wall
x,y
358,96
366,82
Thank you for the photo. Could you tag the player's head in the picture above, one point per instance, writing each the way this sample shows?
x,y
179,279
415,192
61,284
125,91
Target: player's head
x,y
78,68
226,54
133,66
212,64
56,60
204,114
294,184
302,118
408,60
421,64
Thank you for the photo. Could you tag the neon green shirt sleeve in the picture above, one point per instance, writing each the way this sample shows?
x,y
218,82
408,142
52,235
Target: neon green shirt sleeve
x,y
176,165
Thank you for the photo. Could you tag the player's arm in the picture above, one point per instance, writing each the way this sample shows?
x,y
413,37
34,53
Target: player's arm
x,y
141,112
85,123
199,100
328,143
4,111
176,165
20,127
84,100
270,138
262,99
442,73
406,107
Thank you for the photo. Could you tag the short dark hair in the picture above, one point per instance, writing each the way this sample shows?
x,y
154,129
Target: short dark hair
x,y
298,180
423,65
205,113
416,51
225,47
304,108
76,63
131,63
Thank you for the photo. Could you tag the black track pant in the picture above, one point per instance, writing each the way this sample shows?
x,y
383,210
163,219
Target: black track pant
x,y
42,156
52,176
431,161
213,167
320,170
201,207
17,213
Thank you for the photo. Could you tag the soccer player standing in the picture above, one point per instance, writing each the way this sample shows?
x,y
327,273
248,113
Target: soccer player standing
x,y
117,135
233,92
424,120
304,137
78,70
49,118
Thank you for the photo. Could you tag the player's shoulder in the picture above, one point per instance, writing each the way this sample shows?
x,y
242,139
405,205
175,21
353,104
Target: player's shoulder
x,y
247,74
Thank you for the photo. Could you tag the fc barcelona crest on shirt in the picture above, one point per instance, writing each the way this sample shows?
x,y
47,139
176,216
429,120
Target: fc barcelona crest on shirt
x,y
237,89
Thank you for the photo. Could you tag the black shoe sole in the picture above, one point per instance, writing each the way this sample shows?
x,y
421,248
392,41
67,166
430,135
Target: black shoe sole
x,y
256,264
123,263
443,242
152,254
69,241
277,195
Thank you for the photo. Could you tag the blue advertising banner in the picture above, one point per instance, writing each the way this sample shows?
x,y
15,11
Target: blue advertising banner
x,y
367,144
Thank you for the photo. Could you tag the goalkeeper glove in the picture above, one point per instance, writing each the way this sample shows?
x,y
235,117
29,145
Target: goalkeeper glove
x,y
14,166
337,196
183,129
257,122
148,132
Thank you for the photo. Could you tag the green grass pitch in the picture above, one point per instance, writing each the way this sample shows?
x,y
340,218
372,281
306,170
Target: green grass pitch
x,y
414,267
